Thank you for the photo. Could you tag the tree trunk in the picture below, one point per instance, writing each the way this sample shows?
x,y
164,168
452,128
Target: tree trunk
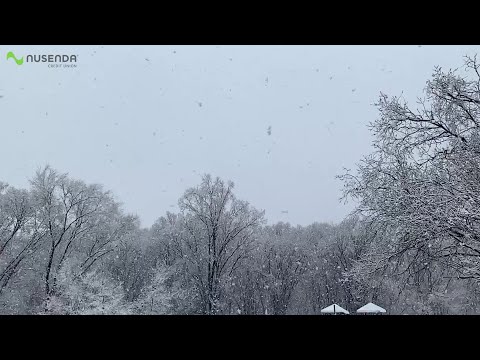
x,y
48,290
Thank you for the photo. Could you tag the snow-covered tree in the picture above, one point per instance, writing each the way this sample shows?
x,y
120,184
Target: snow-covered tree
x,y
91,293
420,188
220,232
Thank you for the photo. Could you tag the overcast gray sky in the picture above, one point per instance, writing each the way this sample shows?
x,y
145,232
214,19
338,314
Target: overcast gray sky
x,y
148,121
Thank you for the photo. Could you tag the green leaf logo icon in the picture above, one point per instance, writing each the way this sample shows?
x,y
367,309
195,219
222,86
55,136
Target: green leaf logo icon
x,y
12,55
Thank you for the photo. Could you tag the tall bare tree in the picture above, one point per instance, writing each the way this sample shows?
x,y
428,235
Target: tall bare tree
x,y
220,232
70,211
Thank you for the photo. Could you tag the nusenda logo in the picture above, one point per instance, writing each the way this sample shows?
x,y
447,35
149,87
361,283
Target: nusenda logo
x,y
53,60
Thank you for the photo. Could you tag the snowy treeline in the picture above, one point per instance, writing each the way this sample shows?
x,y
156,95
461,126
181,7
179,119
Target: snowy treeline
x,y
412,246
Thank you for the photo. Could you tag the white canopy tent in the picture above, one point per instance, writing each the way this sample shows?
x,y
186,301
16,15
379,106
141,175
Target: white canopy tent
x,y
371,308
334,309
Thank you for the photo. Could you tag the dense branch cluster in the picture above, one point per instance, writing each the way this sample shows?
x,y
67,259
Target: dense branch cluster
x,y
421,186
